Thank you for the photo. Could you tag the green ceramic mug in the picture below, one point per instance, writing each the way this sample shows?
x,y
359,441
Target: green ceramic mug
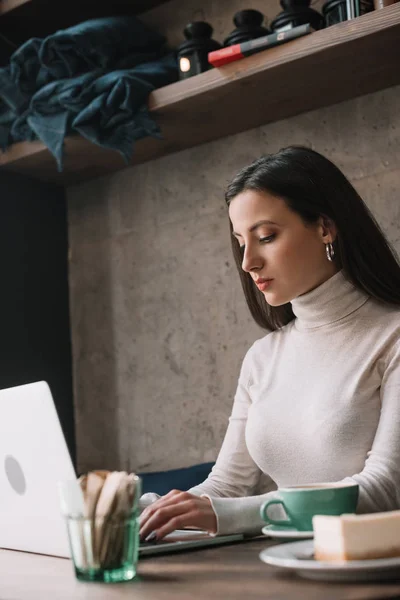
x,y
302,502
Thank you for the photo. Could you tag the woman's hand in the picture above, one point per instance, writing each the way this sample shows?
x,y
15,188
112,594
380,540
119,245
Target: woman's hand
x,y
177,510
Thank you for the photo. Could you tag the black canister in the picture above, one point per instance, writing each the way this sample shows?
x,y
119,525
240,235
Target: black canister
x,y
193,53
334,11
296,12
364,6
248,27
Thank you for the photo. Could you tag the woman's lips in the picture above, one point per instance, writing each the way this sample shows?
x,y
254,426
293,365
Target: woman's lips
x,y
263,284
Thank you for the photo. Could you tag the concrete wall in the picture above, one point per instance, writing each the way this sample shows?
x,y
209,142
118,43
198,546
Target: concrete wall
x,y
159,323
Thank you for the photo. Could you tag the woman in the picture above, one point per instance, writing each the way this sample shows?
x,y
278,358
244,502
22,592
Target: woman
x,y
318,397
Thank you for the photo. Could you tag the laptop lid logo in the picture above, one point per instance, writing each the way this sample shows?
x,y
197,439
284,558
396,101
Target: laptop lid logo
x,y
15,475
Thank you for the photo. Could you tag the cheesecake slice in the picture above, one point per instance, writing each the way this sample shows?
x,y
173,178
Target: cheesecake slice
x,y
357,537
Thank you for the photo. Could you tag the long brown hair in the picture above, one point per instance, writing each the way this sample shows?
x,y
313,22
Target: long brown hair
x,y
312,186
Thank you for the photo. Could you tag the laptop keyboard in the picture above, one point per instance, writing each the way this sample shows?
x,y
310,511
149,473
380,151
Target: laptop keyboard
x,y
154,543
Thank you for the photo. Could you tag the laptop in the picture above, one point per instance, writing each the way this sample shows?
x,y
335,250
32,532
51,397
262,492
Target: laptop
x,y
34,457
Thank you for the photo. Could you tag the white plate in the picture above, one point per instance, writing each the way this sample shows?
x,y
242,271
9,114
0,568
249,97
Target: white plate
x,y
286,533
298,557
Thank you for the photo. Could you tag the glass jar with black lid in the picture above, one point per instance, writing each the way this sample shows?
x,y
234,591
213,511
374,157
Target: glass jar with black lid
x,y
296,12
193,52
249,26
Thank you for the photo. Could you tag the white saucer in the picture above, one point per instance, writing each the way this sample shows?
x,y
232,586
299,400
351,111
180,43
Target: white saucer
x,y
298,557
286,533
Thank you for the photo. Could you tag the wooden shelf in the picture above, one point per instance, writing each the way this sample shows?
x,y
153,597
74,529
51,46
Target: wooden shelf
x,y
344,61
23,19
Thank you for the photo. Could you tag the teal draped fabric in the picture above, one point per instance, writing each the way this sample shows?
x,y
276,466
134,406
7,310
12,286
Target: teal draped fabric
x,y
93,79
108,109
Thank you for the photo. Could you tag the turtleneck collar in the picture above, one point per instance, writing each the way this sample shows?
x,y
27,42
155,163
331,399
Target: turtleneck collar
x,y
332,300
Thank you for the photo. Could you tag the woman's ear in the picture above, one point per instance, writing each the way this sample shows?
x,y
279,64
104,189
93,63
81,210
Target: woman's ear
x,y
327,229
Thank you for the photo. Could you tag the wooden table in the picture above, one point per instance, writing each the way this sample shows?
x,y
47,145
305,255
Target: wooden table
x,y
226,572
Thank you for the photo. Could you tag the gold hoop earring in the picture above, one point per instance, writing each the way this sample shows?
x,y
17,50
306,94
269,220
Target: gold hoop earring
x,y
330,252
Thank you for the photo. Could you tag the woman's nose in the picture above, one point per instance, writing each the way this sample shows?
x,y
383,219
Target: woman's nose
x,y
251,260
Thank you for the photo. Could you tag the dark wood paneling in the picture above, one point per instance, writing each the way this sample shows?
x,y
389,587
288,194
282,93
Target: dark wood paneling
x,y
35,335
23,19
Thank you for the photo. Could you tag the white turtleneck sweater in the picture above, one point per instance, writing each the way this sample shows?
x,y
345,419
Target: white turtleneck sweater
x,y
317,401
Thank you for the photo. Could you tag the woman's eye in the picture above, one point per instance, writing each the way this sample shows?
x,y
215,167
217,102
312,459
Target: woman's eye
x,y
267,239
263,240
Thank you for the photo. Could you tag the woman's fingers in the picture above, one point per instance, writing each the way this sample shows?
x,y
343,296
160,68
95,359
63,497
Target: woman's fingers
x,y
170,498
175,511
177,522
163,515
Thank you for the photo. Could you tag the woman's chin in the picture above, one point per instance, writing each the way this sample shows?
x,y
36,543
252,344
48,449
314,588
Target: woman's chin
x,y
271,299
274,299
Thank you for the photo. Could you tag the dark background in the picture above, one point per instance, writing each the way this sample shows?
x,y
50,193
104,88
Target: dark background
x,y
35,333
